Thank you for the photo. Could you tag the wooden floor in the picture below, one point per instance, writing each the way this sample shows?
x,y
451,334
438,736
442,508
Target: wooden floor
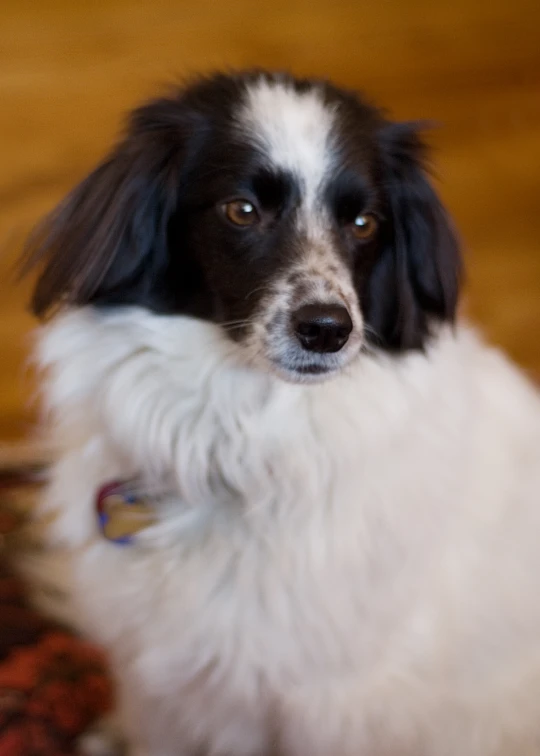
x,y
68,70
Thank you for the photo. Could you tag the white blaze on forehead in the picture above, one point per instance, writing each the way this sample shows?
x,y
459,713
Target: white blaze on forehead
x,y
294,129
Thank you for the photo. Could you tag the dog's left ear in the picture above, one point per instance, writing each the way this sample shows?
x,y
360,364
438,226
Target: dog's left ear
x,y
415,280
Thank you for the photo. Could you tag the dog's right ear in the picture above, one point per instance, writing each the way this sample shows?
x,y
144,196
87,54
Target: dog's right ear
x,y
111,231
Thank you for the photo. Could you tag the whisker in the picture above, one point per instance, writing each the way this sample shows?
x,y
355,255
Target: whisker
x,y
267,289
235,323
372,332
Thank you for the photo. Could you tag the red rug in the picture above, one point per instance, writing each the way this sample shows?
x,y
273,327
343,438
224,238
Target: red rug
x,y
53,685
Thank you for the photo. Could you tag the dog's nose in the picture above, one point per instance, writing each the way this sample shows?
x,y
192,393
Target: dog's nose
x,y
322,328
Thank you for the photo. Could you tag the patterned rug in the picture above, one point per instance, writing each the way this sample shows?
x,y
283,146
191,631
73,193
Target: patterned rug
x,y
53,684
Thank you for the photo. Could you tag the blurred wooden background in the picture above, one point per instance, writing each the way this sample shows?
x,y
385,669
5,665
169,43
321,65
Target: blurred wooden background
x,y
69,70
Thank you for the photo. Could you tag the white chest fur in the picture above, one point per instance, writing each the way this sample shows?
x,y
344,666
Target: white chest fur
x,y
326,546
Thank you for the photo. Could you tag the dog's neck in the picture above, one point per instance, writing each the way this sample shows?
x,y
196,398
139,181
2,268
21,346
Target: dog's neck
x,y
172,398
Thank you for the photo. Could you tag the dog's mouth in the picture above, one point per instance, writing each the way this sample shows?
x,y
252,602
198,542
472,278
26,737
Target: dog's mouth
x,y
308,373
312,369
299,368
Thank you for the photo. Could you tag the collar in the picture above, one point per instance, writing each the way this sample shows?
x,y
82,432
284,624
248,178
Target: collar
x,y
123,511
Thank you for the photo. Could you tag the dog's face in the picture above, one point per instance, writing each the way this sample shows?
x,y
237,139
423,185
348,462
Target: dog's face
x,y
289,212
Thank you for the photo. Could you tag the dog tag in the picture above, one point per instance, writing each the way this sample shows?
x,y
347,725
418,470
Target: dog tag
x,y
122,512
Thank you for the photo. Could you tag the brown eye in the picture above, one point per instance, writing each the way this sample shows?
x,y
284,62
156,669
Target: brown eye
x,y
241,212
364,226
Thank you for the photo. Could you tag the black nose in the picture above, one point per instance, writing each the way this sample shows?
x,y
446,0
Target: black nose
x,y
322,328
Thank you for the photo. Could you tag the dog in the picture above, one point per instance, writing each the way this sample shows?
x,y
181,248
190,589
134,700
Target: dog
x,y
254,339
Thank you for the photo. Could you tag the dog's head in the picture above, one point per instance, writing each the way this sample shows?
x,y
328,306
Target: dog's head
x,y
288,211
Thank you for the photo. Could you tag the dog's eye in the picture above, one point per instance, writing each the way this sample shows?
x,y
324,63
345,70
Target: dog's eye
x,y
241,212
364,226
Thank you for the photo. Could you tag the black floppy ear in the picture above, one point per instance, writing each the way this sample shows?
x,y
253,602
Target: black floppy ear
x,y
110,233
415,280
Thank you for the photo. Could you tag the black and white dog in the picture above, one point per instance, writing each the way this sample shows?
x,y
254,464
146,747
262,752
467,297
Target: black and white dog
x,y
340,487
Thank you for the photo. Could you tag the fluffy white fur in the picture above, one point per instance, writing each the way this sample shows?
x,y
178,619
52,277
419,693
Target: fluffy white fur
x,y
296,132
340,569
